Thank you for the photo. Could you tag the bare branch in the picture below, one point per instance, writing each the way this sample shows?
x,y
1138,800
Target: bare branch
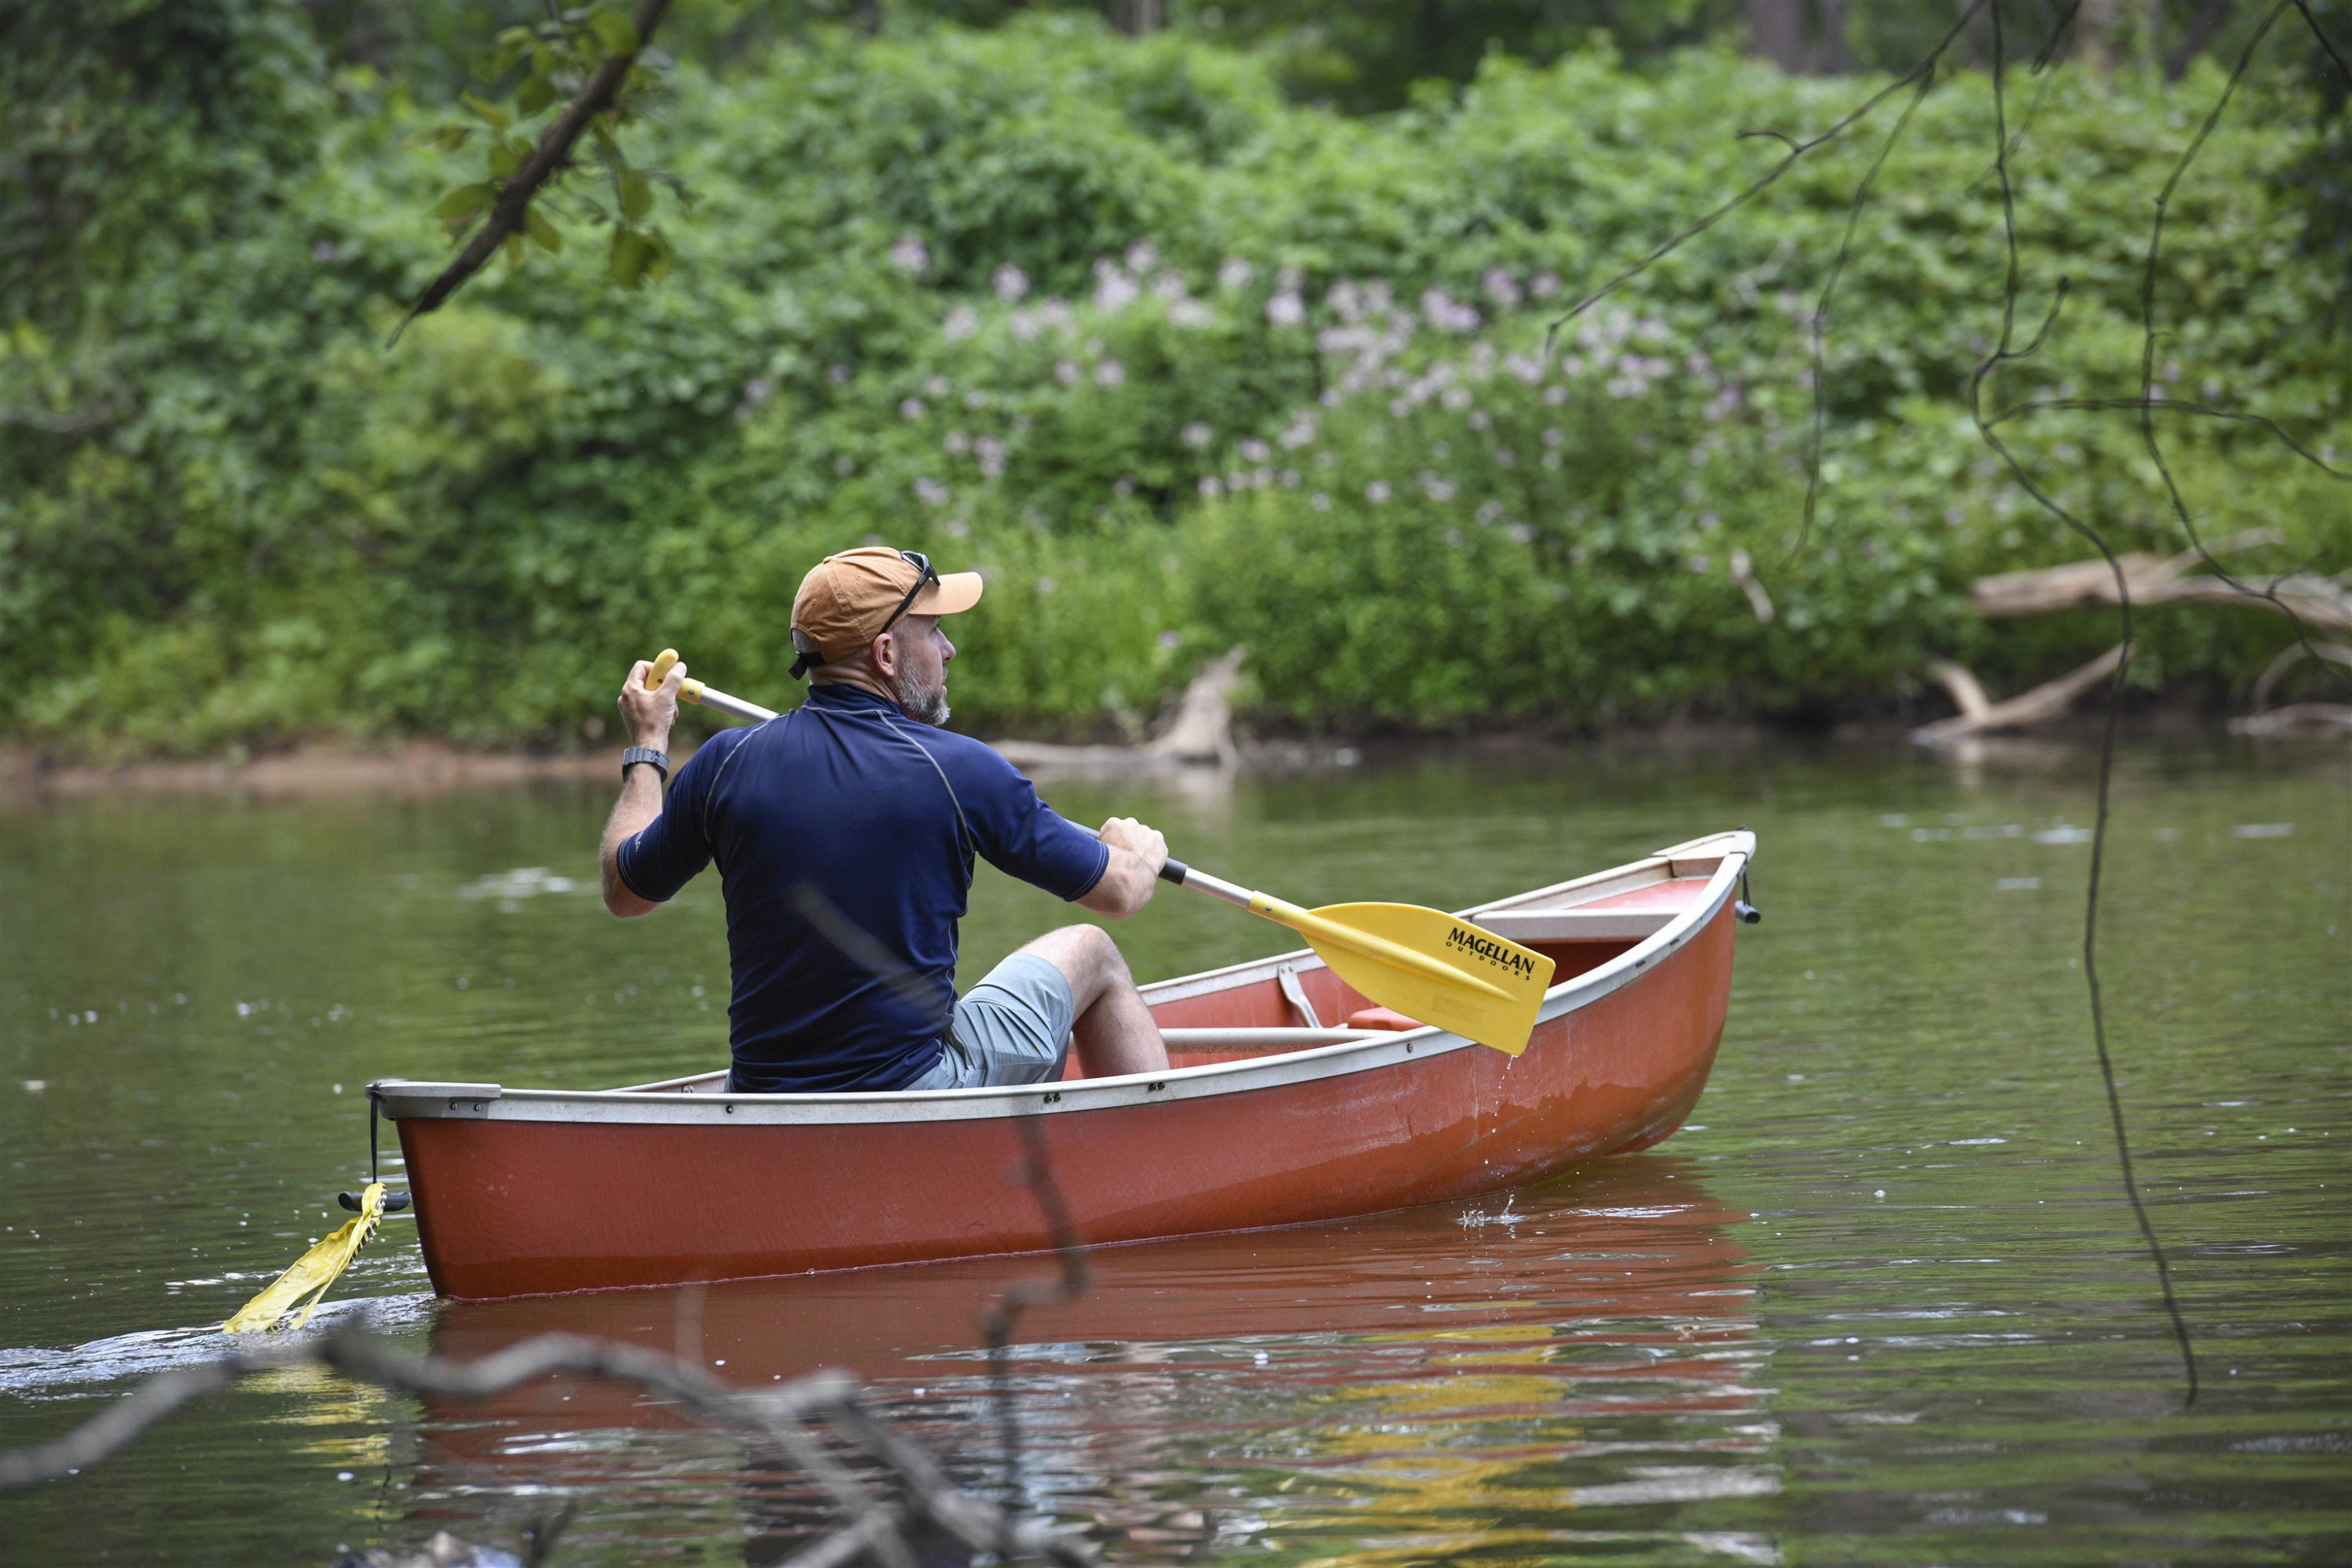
x,y
775,1417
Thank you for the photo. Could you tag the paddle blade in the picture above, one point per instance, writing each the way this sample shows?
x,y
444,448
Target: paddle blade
x,y
1478,986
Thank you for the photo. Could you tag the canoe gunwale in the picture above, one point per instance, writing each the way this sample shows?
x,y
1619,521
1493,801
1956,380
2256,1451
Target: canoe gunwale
x,y
1720,856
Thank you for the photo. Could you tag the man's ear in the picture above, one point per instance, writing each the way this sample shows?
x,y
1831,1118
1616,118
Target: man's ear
x,y
884,651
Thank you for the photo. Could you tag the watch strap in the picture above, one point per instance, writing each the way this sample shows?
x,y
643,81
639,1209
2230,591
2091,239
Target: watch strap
x,y
659,760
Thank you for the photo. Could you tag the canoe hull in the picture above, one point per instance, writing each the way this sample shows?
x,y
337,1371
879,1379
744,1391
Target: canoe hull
x,y
530,1201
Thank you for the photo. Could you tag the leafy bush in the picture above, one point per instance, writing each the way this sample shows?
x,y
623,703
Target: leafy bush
x,y
1180,365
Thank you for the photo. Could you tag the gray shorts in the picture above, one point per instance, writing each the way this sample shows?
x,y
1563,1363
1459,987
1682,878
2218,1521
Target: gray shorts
x,y
1012,1027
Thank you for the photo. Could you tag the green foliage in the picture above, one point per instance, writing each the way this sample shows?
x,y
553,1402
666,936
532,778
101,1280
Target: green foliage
x,y
1104,318
548,65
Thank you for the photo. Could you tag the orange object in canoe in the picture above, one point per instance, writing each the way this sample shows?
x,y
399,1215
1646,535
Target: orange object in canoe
x,y
1264,1118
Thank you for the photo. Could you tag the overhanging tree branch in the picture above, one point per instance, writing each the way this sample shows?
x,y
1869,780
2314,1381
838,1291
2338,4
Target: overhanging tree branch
x,y
549,158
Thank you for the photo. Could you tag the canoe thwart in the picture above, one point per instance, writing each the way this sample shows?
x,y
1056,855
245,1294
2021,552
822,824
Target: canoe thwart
x,y
1576,924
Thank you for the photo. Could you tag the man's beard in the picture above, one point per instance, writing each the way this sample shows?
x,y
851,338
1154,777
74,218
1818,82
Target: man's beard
x,y
923,704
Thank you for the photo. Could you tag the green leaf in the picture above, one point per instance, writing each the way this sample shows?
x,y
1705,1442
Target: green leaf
x,y
657,263
535,94
636,195
489,114
615,31
462,202
515,251
543,234
632,251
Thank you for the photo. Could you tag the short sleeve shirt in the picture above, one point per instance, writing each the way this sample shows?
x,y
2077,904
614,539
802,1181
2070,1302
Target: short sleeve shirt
x,y
845,835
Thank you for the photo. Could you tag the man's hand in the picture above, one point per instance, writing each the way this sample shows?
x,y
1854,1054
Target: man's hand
x,y
648,715
1136,853
1125,833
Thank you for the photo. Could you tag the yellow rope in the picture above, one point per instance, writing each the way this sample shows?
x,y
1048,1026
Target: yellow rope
x,y
312,1272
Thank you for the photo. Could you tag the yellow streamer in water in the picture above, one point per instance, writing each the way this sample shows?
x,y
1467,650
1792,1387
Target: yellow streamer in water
x,y
312,1272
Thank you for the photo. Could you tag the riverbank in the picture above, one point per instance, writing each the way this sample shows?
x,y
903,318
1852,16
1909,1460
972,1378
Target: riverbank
x,y
326,768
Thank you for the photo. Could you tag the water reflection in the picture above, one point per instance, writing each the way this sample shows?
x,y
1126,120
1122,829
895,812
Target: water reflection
x,y
1359,1388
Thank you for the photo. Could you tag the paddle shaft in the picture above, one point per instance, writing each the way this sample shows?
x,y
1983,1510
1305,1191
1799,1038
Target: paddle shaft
x,y
1315,927
694,691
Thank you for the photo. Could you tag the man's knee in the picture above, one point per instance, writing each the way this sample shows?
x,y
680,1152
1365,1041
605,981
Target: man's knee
x,y
1086,956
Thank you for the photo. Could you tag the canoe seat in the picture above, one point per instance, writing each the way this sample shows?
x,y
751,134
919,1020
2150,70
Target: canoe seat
x,y
1576,925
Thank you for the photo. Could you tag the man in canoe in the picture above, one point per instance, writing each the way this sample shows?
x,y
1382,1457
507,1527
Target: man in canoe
x,y
857,814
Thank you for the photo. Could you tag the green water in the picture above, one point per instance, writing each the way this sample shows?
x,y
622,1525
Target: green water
x,y
1882,1302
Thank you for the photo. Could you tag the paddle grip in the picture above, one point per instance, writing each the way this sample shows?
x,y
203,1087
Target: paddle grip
x,y
393,1202
660,670
1172,871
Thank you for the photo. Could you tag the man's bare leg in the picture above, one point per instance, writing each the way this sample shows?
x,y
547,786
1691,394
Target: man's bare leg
x,y
1114,1032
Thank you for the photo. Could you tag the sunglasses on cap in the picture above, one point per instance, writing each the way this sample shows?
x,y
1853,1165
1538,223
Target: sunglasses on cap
x,y
924,576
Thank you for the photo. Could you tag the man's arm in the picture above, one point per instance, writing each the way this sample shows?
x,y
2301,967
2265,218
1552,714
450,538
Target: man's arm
x,y
647,717
1127,884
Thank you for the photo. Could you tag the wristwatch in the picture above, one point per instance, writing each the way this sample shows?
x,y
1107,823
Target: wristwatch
x,y
659,760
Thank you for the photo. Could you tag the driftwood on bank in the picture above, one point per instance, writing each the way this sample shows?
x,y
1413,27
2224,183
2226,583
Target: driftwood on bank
x,y
1200,732
2316,603
2321,603
1978,713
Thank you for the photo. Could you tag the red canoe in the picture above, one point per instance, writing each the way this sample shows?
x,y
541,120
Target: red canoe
x,y
1264,1118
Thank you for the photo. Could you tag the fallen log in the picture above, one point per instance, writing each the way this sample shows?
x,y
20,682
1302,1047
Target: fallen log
x,y
2321,603
1199,734
2297,719
1978,714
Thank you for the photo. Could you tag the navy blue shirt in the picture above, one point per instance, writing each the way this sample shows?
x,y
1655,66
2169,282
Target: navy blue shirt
x,y
880,818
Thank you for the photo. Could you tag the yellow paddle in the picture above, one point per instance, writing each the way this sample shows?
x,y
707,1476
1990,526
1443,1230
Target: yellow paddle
x,y
1422,962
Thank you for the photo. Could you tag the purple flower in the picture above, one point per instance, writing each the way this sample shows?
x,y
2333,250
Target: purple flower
x,y
1196,435
909,255
1110,372
1544,285
1210,487
957,442
1501,288
1285,309
962,322
1377,491
1114,290
755,392
1142,256
1235,273
1066,372
929,491
1009,282
912,408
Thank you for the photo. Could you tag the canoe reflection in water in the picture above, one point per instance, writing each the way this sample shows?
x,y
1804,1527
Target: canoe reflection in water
x,y
1569,1363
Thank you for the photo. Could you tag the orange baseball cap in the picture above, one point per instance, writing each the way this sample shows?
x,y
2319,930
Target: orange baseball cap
x,y
848,600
